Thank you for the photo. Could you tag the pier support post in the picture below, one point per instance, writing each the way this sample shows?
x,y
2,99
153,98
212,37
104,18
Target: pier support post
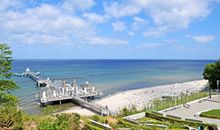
x,y
42,104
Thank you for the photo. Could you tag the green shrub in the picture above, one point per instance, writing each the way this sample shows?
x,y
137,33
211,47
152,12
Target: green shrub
x,y
98,119
124,124
48,124
68,121
91,127
60,122
10,117
125,111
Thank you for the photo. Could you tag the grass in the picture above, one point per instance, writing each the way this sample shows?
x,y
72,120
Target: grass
x,y
49,109
52,122
215,113
165,103
150,120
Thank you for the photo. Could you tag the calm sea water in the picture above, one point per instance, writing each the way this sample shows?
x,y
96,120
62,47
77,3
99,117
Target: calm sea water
x,y
108,75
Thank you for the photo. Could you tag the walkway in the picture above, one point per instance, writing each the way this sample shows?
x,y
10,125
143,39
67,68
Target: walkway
x,y
196,107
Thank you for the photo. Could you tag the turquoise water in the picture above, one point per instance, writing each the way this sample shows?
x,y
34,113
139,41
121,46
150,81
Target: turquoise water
x,y
108,75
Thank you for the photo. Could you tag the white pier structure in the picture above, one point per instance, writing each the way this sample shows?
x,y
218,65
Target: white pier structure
x,y
61,90
35,76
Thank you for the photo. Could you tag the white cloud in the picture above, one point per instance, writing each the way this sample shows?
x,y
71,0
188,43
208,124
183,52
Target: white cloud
x,y
177,14
149,45
155,32
174,14
74,5
138,19
116,9
165,43
49,24
131,33
41,38
138,23
118,26
43,19
72,21
172,41
203,38
6,4
107,41
95,18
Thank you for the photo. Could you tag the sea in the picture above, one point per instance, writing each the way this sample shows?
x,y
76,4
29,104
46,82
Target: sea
x,y
110,76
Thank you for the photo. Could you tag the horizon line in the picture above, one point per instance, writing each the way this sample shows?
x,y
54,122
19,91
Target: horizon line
x,y
106,59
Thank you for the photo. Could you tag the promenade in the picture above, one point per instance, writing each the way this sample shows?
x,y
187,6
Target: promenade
x,y
195,107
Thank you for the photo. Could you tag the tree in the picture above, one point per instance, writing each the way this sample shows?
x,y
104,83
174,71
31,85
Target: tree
x,y
6,84
10,116
212,74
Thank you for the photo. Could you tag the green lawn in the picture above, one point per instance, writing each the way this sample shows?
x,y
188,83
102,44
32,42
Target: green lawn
x,y
215,113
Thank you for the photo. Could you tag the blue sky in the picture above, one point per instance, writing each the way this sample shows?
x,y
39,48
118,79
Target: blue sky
x,y
111,29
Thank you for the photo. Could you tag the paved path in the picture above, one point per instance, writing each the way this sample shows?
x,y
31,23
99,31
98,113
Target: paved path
x,y
196,107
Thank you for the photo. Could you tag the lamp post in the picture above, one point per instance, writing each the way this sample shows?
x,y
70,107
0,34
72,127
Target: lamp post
x,y
218,86
181,98
174,94
175,101
210,95
187,95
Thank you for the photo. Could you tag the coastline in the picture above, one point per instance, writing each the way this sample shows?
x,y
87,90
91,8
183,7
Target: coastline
x,y
140,97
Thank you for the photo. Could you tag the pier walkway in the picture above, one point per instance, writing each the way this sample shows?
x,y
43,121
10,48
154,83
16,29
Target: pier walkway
x,y
104,111
34,76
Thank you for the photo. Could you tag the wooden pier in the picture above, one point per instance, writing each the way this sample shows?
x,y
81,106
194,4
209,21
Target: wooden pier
x,y
60,90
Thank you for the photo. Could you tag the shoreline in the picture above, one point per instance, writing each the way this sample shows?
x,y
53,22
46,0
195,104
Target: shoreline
x,y
140,97
145,88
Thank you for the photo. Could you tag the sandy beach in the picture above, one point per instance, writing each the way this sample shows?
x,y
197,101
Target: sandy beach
x,y
140,97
